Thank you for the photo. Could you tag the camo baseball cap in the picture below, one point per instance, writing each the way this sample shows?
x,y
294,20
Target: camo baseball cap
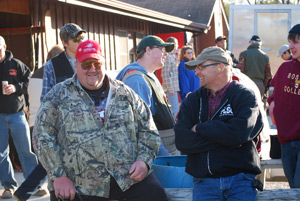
x,y
70,31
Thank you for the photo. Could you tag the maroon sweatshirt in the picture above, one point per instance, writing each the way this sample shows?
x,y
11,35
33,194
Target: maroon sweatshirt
x,y
286,83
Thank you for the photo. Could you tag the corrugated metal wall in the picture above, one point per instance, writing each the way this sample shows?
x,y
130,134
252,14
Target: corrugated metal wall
x,y
100,26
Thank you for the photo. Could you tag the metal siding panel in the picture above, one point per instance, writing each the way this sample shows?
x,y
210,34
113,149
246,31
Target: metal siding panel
x,y
112,42
101,34
106,41
85,21
96,27
79,16
90,24
66,15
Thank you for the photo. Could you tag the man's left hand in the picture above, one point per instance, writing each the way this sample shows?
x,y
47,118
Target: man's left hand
x,y
9,89
138,170
194,128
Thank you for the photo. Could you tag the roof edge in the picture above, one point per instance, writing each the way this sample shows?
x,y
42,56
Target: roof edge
x,y
121,8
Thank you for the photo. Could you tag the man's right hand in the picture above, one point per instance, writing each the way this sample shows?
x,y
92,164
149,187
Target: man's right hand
x,y
64,187
271,112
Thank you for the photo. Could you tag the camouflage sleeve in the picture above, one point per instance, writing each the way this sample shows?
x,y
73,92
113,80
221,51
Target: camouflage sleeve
x,y
45,138
147,134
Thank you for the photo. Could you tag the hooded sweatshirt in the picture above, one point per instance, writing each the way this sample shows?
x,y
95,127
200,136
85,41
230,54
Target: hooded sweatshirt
x,y
18,74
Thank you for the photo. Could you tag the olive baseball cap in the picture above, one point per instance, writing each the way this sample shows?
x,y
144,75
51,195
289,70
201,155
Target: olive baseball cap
x,y
70,31
154,40
210,53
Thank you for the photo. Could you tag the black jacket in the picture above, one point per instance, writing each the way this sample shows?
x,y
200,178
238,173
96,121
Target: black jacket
x,y
225,145
18,74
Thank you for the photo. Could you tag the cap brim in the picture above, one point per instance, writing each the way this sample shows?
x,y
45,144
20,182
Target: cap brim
x,y
169,46
191,65
79,32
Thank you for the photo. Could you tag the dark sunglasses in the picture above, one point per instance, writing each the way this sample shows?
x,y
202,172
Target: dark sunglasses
x,y
204,66
88,65
78,39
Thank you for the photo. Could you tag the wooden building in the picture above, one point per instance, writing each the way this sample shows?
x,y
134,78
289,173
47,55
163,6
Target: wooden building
x,y
31,27
207,12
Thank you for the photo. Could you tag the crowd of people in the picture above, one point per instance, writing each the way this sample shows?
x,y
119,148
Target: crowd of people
x,y
96,137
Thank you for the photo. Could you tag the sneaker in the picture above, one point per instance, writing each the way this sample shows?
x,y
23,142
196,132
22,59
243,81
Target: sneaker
x,y
40,193
7,193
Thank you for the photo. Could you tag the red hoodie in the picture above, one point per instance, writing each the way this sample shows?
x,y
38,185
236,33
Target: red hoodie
x,y
286,95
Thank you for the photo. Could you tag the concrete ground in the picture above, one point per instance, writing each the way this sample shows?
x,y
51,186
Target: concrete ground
x,y
19,177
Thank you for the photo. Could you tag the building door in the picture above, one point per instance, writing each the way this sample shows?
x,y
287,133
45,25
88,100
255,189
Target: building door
x,y
272,26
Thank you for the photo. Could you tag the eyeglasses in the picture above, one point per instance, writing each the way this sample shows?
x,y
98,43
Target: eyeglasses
x,y
189,52
88,65
204,66
163,49
78,39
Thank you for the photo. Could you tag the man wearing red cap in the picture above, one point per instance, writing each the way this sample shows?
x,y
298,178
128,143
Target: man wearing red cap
x,y
95,137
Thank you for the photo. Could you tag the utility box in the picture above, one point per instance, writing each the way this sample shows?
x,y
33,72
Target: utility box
x,y
270,22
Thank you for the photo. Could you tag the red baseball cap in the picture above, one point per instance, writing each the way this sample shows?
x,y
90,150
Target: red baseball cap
x,y
89,49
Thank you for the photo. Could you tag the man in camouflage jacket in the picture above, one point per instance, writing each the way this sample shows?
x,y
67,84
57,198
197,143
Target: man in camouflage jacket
x,y
95,137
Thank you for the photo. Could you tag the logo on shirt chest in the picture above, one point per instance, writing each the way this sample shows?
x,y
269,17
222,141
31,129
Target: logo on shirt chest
x,y
12,72
226,111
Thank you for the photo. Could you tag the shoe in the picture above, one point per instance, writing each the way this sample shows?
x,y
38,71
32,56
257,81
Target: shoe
x,y
7,193
40,193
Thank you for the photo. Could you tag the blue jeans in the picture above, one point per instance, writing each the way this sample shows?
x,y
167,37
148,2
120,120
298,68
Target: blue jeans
x,y
19,130
236,187
290,155
173,100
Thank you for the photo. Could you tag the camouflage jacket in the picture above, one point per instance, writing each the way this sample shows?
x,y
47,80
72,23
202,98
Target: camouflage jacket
x,y
72,141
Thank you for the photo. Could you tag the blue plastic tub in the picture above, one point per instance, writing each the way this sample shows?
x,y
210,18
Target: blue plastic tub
x,y
170,171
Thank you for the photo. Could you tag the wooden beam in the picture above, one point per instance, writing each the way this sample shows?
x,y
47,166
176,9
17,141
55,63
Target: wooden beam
x,y
20,30
15,6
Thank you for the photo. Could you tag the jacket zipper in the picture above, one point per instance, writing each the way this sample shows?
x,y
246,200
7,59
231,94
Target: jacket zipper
x,y
207,156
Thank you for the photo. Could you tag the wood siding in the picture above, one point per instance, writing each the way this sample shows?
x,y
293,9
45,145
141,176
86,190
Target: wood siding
x,y
100,26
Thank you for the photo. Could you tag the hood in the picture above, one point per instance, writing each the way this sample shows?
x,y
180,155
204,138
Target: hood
x,y
254,46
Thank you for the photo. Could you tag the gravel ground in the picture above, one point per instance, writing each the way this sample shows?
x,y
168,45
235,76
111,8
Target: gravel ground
x,y
276,185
